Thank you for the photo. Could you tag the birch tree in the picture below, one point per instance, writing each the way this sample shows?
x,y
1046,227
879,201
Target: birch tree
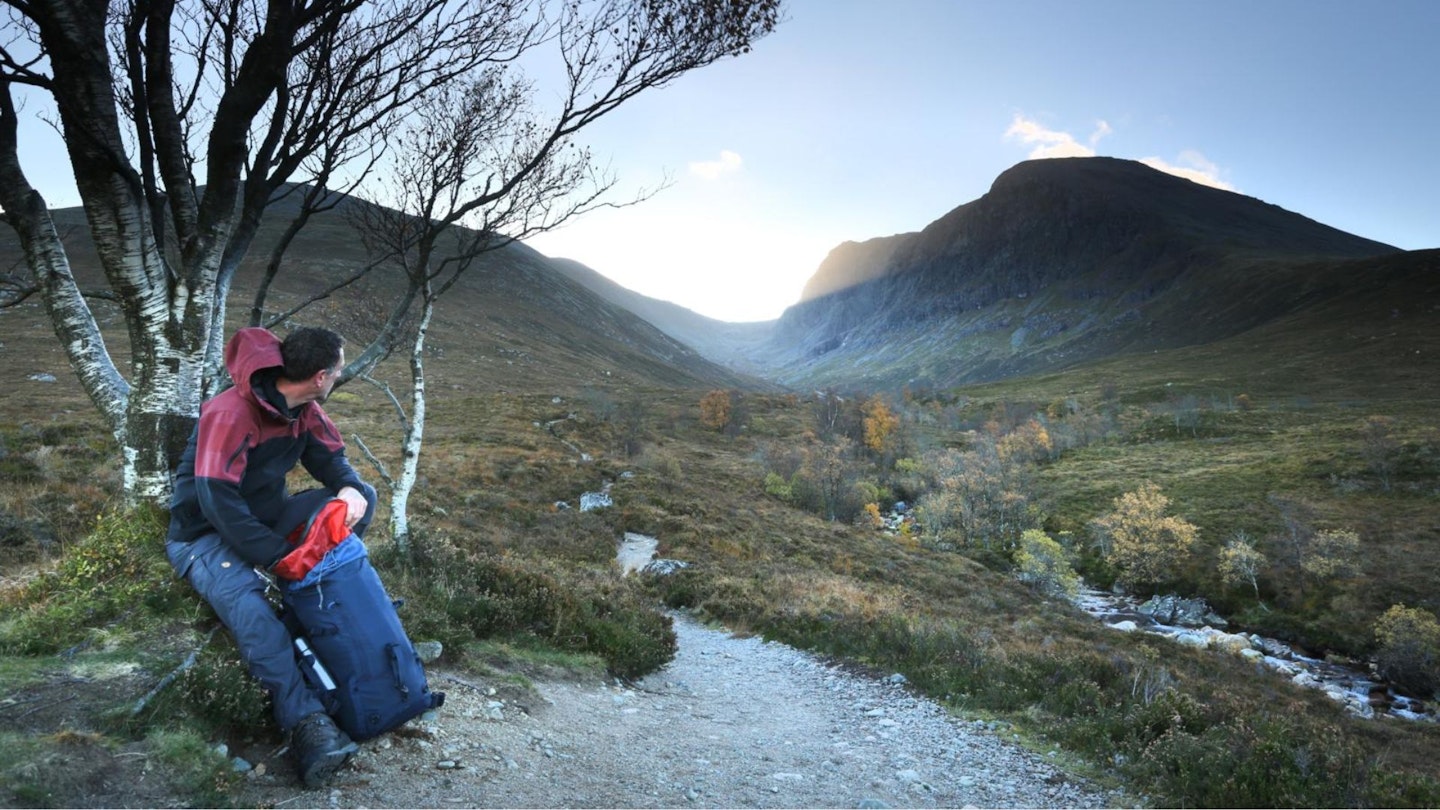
x,y
183,120
484,166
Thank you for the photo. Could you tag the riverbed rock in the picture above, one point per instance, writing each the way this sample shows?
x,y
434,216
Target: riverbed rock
x,y
1196,640
664,567
1181,612
1233,643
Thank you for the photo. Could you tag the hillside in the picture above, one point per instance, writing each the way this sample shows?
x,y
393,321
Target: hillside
x,y
729,344
513,323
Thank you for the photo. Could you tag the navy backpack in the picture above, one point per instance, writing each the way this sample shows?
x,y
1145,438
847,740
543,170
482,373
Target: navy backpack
x,y
352,647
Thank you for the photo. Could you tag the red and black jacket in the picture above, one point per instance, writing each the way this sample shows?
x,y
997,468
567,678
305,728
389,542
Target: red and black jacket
x,y
231,477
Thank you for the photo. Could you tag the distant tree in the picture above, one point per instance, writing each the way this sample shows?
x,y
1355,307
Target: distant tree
x,y
1044,564
825,476
630,420
1028,442
979,499
1145,545
1409,653
1332,553
715,410
880,424
1311,556
1379,448
1241,563
826,409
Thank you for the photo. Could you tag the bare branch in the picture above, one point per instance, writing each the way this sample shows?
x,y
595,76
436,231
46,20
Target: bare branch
x,y
374,462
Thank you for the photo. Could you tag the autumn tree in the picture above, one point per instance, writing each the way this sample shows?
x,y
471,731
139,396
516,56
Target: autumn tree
x,y
1028,442
880,425
1044,564
1332,553
1311,556
1145,545
1241,563
183,121
980,499
715,409
1409,653
824,478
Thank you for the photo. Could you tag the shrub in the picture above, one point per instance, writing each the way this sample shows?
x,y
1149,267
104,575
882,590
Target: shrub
x,y
1044,564
460,597
1409,653
119,567
777,487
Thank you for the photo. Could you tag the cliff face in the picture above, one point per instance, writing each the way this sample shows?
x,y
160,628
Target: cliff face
x,y
1062,261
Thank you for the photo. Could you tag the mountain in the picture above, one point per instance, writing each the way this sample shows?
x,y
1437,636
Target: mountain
x,y
1062,262
512,323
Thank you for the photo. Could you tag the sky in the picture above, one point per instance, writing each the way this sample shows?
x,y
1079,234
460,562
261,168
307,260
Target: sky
x,y
858,119
865,118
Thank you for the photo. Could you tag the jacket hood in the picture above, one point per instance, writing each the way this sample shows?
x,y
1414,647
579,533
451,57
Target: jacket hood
x,y
250,350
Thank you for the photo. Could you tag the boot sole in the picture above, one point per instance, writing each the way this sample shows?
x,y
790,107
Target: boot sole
x,y
327,766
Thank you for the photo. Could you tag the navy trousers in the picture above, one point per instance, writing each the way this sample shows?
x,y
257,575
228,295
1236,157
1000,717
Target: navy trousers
x,y
237,593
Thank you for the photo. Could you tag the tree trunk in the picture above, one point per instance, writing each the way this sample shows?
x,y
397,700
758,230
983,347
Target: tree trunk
x,y
415,435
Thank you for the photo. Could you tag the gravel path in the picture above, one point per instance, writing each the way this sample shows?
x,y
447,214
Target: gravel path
x,y
731,722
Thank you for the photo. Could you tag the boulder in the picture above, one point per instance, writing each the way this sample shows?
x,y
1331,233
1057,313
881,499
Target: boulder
x,y
1177,611
1196,640
1233,643
664,568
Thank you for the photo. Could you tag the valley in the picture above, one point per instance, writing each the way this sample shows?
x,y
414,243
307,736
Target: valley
x,y
1273,379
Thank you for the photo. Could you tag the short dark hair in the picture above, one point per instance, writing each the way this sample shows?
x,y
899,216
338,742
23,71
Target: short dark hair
x,y
308,350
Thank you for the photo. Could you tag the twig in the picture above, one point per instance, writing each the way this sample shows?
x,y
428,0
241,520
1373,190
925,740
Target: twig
x,y
482,690
394,400
169,679
34,709
379,465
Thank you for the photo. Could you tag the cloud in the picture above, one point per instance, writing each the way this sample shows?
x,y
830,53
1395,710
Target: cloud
x,y
1051,143
728,163
1192,166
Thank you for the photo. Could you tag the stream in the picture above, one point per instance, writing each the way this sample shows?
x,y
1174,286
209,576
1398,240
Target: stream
x,y
1356,689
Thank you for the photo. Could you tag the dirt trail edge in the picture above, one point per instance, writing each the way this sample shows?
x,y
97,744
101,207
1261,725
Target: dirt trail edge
x,y
731,722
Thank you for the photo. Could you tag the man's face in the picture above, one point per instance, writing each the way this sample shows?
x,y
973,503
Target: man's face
x,y
326,379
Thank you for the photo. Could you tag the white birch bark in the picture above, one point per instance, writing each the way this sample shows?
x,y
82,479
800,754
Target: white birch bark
x,y
414,434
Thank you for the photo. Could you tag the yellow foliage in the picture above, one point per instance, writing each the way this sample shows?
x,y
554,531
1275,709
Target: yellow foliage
x,y
880,424
1139,539
1333,553
1241,563
1028,442
715,409
871,516
1400,624
1045,565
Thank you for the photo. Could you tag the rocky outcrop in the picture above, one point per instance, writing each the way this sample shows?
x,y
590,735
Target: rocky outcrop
x,y
1180,612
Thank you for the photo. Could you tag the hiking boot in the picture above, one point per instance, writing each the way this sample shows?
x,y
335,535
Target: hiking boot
x,y
321,749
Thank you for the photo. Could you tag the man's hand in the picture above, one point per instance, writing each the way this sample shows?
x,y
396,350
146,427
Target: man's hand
x,y
355,504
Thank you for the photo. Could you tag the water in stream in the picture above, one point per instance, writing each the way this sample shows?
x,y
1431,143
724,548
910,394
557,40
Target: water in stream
x,y
1357,689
